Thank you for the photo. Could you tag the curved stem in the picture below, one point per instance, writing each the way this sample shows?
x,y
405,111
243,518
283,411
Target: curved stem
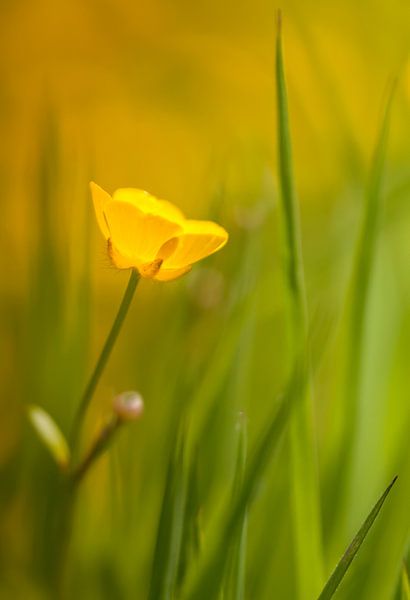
x,y
104,356
99,446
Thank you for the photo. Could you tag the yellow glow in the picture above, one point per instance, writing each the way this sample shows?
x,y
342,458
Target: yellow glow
x,y
152,235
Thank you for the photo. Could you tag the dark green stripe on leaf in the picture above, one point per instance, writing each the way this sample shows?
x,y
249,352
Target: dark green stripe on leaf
x,y
346,560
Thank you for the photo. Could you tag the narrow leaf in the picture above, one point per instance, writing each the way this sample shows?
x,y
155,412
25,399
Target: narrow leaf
x,y
235,572
304,476
164,576
357,303
405,583
365,256
191,539
50,434
206,580
340,571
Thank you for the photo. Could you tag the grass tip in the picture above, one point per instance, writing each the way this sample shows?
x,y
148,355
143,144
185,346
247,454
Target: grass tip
x,y
279,21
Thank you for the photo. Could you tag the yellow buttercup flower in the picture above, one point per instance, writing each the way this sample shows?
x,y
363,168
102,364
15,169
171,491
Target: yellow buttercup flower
x,y
152,235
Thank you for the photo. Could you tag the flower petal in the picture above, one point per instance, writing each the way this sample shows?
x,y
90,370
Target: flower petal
x,y
170,274
100,200
137,236
149,204
198,240
120,260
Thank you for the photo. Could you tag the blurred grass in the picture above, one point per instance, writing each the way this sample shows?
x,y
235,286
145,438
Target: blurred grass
x,y
343,565
180,99
357,309
303,467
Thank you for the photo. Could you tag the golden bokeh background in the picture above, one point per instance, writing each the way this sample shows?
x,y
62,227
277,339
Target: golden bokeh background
x,y
178,98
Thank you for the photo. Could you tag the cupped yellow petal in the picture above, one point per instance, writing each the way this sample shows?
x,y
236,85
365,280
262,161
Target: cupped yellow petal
x,y
120,260
152,235
197,240
100,199
136,236
170,274
149,204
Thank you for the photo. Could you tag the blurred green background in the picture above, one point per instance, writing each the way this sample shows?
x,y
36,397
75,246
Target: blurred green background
x,y
178,98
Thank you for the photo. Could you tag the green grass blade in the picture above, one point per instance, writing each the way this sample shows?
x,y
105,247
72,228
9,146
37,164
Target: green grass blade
x,y
345,562
357,308
405,583
364,260
206,391
170,529
292,248
207,576
305,488
45,343
234,588
191,539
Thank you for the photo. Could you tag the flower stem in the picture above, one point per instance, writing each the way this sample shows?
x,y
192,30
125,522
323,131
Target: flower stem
x,y
104,356
97,448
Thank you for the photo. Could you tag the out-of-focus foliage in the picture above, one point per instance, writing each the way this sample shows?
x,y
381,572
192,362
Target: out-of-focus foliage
x,y
179,98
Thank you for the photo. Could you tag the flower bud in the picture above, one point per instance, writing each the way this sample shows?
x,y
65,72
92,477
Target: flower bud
x,y
128,406
50,434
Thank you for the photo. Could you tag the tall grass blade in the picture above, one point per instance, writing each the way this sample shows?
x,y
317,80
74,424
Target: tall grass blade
x,y
207,576
346,560
167,553
191,541
305,489
45,343
235,572
242,309
405,583
358,301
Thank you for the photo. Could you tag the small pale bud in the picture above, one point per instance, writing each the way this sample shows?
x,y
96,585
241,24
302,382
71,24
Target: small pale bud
x,y
50,434
128,406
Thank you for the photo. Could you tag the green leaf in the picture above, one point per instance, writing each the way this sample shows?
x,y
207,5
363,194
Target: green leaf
x,y
165,567
234,588
292,248
357,311
206,392
191,539
50,434
206,577
405,583
365,257
304,476
340,570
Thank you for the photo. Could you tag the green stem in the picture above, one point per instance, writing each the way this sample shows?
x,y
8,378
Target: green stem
x,y
99,446
104,356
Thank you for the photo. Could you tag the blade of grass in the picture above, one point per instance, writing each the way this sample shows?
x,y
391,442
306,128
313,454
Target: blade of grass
x,y
45,343
305,488
170,529
78,329
191,541
357,310
382,569
405,583
234,588
346,560
206,577
206,393
225,387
